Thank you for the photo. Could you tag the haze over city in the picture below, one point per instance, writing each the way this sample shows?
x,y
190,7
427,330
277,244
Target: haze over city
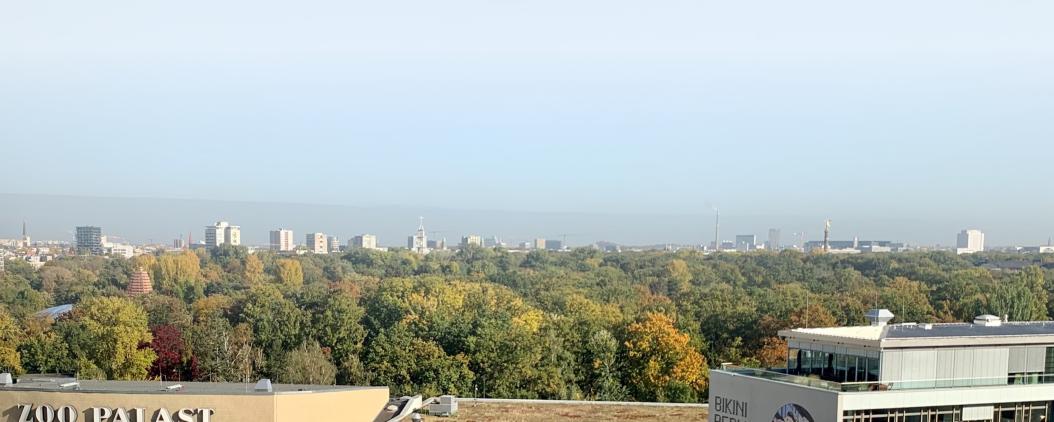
x,y
903,126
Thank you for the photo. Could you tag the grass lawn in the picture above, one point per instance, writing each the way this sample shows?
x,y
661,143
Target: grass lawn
x,y
480,412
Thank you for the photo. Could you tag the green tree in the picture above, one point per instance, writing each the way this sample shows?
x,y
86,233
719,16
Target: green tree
x,y
908,300
11,337
115,328
603,380
308,364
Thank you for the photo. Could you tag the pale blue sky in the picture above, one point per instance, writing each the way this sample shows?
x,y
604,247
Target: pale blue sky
x,y
896,109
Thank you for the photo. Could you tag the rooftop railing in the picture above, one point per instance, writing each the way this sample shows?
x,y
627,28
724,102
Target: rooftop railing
x,y
1016,379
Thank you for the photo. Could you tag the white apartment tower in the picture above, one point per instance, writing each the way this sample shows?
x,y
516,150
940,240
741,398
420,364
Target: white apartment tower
x,y
222,233
317,243
363,241
969,241
282,240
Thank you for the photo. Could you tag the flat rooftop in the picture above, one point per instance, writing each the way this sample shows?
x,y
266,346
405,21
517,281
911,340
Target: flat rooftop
x,y
920,335
567,411
55,383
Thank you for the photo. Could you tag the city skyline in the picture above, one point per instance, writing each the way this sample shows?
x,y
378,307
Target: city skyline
x,y
392,225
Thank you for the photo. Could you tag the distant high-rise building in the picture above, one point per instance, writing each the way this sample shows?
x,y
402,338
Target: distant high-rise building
x,y
140,283
539,244
317,243
419,241
178,243
25,242
969,241
554,245
222,233
88,240
282,240
472,240
363,241
774,239
493,242
746,242
334,244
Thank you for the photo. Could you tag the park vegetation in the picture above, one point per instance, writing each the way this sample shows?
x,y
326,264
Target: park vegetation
x,y
582,324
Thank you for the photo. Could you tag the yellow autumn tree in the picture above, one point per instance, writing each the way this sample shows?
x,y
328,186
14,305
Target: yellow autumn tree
x,y
290,273
663,365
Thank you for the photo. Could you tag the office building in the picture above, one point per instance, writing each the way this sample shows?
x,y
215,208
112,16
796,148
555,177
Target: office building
x,y
418,243
471,240
56,398
774,240
554,245
539,244
969,241
178,244
363,241
317,243
222,233
334,244
746,242
88,240
282,240
987,370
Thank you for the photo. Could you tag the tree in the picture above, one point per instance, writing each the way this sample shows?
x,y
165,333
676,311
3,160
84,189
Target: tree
x,y
277,323
169,346
115,328
211,350
409,365
254,270
661,361
290,273
10,338
1022,297
603,378
180,275
337,325
308,364
908,300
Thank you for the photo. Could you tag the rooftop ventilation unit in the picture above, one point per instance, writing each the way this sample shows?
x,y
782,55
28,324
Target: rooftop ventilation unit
x,y
988,321
264,386
5,379
879,317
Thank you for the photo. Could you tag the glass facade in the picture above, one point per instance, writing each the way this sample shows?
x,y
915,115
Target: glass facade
x,y
837,366
1004,412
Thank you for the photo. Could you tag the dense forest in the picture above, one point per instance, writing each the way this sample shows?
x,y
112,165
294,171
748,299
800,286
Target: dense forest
x,y
575,325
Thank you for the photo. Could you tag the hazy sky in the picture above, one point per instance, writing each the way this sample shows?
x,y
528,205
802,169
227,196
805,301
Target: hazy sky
x,y
900,110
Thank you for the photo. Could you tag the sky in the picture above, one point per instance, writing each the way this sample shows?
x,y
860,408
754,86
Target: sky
x,y
931,113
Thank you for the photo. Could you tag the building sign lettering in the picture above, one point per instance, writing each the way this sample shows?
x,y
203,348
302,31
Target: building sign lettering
x,y
46,413
728,410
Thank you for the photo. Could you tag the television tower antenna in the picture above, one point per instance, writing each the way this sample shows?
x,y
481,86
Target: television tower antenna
x,y
827,236
717,229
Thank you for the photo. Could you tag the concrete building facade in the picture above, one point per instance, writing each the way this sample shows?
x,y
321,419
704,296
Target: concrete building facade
x,y
363,241
969,241
282,240
53,399
317,243
88,240
222,233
